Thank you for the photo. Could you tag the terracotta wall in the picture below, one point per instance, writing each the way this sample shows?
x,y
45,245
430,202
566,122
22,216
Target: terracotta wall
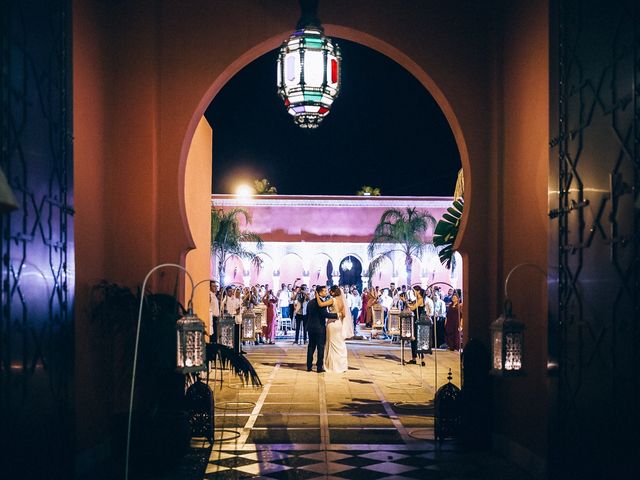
x,y
198,206
91,93
523,227
169,60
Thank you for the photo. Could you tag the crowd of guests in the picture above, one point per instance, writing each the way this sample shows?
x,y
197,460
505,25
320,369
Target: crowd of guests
x,y
444,311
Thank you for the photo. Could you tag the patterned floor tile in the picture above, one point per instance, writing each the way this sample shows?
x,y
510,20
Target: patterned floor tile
x,y
357,461
328,455
265,468
390,468
384,456
234,462
328,468
265,455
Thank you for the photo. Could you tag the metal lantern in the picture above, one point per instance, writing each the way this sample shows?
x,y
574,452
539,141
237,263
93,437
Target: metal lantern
x,y
257,323
191,348
225,330
263,314
308,67
406,324
248,325
507,343
423,333
393,322
448,410
377,311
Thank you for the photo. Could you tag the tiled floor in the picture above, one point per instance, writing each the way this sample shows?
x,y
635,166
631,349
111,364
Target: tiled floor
x,y
373,422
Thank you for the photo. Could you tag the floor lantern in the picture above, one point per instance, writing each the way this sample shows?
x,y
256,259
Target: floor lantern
x,y
377,312
393,323
406,328
507,343
226,328
191,348
507,335
308,69
423,334
248,325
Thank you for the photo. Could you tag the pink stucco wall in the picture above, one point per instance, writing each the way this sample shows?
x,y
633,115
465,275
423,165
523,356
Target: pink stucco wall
x,y
342,219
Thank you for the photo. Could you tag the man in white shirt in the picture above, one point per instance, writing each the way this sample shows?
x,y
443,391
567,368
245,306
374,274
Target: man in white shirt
x,y
428,310
214,311
354,302
283,301
440,315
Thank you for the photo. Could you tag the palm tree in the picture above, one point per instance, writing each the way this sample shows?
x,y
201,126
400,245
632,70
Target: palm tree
x,y
264,187
405,231
227,239
368,191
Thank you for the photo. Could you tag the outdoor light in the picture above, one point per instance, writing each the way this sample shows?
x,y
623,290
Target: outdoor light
x,y
423,334
347,265
308,69
393,324
507,335
248,325
244,191
378,316
406,324
191,348
226,327
507,343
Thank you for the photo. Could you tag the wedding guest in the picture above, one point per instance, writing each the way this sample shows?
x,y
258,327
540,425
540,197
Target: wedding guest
x,y
271,302
452,324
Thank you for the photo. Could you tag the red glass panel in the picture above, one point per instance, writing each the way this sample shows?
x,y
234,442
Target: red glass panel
x,y
323,110
334,71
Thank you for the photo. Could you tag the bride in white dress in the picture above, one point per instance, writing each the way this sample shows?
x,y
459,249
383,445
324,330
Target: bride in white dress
x,y
335,350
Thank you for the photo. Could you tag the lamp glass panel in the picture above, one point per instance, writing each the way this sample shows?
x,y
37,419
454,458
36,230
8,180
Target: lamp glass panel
x,y
332,72
313,68
291,69
513,351
497,350
407,328
378,317
248,327
393,326
423,331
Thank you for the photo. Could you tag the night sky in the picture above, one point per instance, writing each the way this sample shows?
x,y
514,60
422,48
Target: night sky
x,y
384,130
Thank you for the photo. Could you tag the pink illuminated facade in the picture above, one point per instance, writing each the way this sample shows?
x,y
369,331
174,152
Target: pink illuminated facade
x,y
316,238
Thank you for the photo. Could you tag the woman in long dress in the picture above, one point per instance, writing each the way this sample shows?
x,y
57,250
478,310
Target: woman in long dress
x,y
335,350
452,324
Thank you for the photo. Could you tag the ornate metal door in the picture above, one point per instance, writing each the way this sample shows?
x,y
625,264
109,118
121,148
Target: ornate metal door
x,y
36,242
594,206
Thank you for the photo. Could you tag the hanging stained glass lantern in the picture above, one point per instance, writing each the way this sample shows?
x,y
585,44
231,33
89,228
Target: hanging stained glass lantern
x,y
393,322
507,344
191,347
308,70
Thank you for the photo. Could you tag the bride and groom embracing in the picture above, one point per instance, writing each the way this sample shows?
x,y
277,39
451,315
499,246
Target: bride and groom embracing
x,y
329,323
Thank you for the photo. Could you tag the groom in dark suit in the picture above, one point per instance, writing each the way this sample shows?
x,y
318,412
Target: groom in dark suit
x,y
317,329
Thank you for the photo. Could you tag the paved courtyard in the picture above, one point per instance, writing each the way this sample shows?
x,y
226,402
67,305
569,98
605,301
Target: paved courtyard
x,y
374,421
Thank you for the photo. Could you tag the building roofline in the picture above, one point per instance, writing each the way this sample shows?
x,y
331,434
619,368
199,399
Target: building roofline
x,y
231,200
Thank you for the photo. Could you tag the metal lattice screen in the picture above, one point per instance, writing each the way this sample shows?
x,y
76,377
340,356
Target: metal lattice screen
x,y
36,241
595,215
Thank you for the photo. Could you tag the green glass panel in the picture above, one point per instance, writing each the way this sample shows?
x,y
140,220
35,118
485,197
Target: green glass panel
x,y
312,97
313,42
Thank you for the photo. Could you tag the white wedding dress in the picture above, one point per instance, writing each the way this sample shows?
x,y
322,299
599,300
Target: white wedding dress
x,y
335,350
